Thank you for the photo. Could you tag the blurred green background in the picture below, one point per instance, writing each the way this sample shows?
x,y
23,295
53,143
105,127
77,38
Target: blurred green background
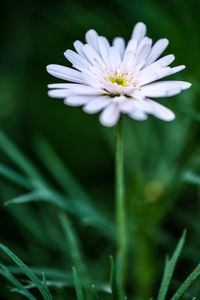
x,y
161,159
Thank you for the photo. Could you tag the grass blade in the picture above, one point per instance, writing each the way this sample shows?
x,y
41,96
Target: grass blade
x,y
74,247
191,177
19,288
69,205
169,268
19,159
77,284
94,295
29,273
43,195
186,284
113,280
13,176
66,180
59,170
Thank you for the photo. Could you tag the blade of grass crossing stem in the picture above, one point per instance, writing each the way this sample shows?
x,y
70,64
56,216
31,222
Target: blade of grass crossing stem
x,y
19,288
169,268
186,284
29,273
113,280
59,171
77,284
19,158
74,247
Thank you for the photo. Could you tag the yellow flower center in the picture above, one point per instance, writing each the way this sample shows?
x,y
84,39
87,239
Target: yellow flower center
x,y
120,79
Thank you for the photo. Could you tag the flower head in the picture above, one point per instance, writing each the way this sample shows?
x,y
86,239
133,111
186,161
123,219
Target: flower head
x,y
118,78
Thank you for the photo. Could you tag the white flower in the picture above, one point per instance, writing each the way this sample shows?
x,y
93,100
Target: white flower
x,y
118,78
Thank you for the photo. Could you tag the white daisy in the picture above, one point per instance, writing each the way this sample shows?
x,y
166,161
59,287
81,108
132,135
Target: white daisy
x,y
118,78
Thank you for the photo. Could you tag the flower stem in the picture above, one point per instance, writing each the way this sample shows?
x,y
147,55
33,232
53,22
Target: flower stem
x,y
120,210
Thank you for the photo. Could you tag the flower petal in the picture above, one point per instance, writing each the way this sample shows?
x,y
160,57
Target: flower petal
x,y
76,100
65,73
92,56
164,88
91,38
58,85
58,93
110,115
114,59
119,44
104,47
139,31
77,59
96,104
138,115
157,49
81,89
161,111
78,45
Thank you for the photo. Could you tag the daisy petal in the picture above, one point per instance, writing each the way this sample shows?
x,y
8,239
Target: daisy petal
x,y
114,58
161,111
110,115
60,93
77,59
91,38
78,47
76,100
65,73
58,85
96,104
119,44
92,56
164,88
177,69
139,31
138,115
104,47
157,49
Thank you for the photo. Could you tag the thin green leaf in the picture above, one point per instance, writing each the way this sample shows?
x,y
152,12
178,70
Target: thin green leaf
x,y
59,278
13,176
191,177
70,205
21,292
186,284
74,247
82,207
29,273
94,295
113,280
20,159
66,180
59,170
77,284
42,195
15,282
53,273
169,268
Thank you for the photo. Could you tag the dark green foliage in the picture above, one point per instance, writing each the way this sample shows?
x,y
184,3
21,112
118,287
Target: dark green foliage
x,y
57,163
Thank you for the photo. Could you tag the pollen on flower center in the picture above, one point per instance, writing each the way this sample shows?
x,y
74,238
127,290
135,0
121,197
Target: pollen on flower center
x,y
120,79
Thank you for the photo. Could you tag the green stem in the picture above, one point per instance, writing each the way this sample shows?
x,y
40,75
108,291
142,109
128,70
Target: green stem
x,y
120,210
